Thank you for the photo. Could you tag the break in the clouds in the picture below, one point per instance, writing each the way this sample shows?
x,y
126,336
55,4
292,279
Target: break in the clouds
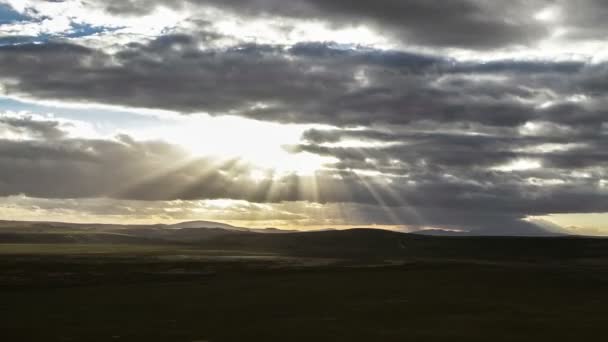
x,y
470,115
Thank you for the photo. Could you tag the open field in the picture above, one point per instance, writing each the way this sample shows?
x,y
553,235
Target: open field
x,y
188,293
81,249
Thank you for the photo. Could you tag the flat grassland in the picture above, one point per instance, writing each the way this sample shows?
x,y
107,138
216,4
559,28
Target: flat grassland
x,y
71,292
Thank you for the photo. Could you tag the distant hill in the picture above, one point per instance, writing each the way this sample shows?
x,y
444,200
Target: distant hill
x,y
440,232
203,224
76,238
354,243
56,232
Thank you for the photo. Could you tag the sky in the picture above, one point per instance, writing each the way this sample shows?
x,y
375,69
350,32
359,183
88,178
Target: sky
x,y
469,115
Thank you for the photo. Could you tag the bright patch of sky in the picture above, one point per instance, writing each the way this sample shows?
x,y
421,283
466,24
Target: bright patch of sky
x,y
202,135
581,224
106,122
35,21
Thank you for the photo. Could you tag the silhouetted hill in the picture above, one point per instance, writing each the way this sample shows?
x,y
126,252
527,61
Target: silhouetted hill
x,y
439,232
78,238
203,224
354,243
181,231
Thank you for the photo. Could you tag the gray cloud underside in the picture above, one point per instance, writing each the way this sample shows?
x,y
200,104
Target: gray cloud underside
x,y
458,23
461,23
319,83
309,83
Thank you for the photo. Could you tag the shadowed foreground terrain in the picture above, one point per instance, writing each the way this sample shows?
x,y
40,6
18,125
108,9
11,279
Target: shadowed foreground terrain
x,y
61,284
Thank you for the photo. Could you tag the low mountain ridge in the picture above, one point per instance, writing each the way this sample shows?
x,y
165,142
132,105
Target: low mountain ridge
x,y
353,243
203,224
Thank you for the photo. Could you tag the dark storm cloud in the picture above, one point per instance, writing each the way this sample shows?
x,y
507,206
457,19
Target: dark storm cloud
x,y
457,171
306,83
169,73
460,23
450,152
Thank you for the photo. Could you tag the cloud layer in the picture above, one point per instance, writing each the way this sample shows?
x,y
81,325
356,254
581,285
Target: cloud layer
x,y
419,135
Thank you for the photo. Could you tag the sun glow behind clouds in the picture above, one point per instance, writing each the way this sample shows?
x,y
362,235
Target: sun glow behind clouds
x,y
519,165
548,14
262,144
